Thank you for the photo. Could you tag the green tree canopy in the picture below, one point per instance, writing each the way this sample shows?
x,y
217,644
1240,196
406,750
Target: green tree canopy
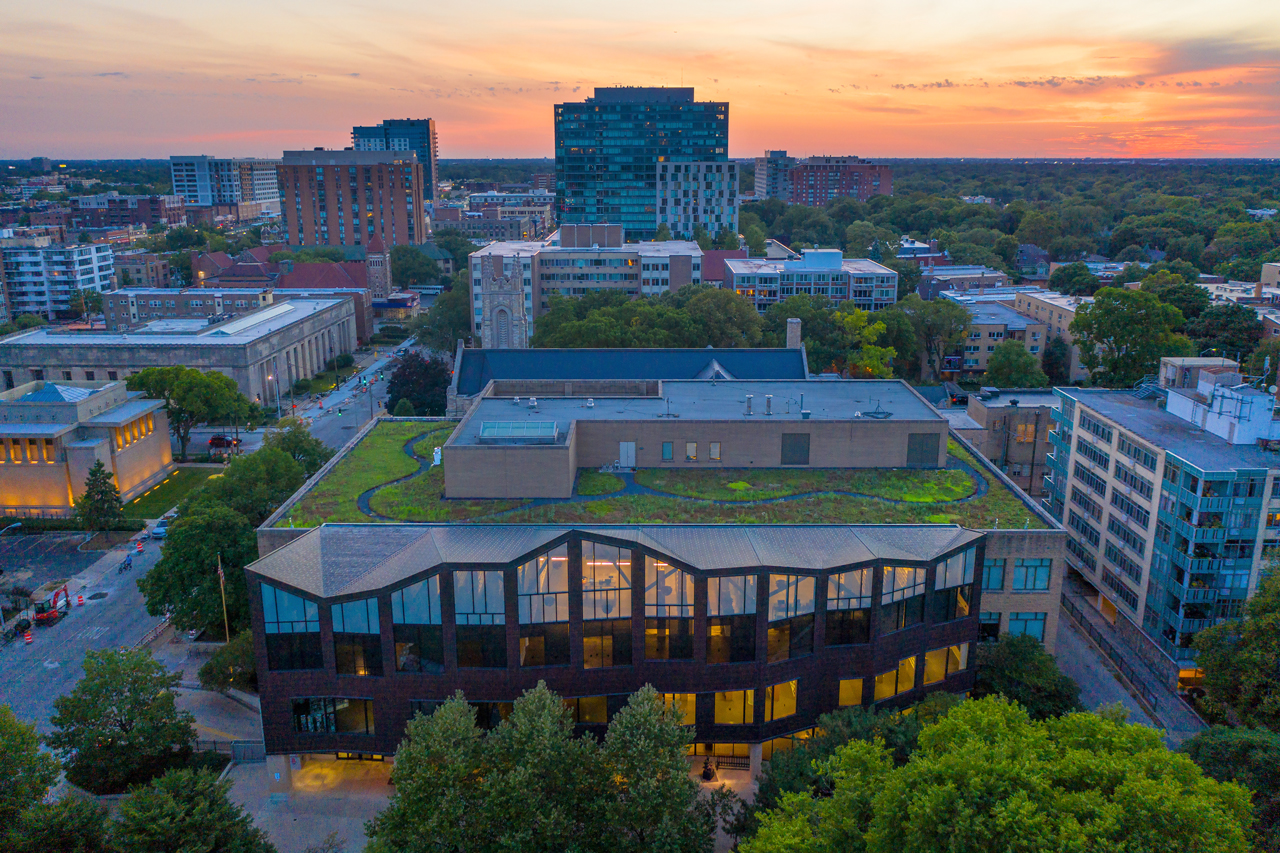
x,y
232,665
663,233
99,508
403,409
25,773
253,485
1056,361
1265,360
1241,658
986,777
409,267
1250,757
190,397
187,810
1018,668
1230,328
1171,289
120,725
1123,335
184,582
1073,280
1011,366
293,437
449,318
940,326
693,316
424,382
457,244
70,825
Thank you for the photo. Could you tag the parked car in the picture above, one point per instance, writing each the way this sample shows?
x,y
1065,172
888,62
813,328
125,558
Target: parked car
x,y
161,530
223,440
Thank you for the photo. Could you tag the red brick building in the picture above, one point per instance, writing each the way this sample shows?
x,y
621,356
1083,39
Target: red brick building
x,y
344,198
817,180
111,210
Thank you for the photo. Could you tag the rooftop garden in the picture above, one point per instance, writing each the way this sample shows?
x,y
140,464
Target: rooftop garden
x,y
388,477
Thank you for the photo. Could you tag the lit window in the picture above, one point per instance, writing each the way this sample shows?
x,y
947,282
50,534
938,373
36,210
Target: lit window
x,y
416,626
731,623
850,691
736,708
940,663
896,681
668,612
780,700
686,704
790,617
714,453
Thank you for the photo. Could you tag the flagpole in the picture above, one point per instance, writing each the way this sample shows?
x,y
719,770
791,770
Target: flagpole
x,y
222,585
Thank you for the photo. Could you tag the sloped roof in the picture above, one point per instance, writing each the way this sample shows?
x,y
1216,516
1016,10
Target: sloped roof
x,y
325,275
336,560
53,393
481,365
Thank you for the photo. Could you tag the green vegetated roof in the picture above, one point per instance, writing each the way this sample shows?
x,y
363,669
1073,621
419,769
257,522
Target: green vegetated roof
x,y
387,477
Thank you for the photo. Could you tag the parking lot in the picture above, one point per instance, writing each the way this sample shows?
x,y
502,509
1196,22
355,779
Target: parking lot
x,y
31,560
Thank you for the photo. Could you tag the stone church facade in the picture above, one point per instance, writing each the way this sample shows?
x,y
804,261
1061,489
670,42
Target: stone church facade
x,y
504,321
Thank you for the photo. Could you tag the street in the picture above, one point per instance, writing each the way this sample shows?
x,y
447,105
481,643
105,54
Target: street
x,y
113,616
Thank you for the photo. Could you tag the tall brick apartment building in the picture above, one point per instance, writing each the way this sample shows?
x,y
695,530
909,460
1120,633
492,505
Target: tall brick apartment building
x,y
345,198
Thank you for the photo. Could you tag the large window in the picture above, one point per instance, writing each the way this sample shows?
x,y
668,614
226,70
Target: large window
x,y
849,608
953,587
896,681
416,625
993,574
325,715
850,691
292,627
1031,575
988,627
941,663
479,604
731,619
357,640
543,598
736,708
790,617
780,700
668,612
686,704
1028,623
902,598
606,605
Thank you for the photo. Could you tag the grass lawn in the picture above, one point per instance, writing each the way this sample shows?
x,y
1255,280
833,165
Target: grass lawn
x,y
379,458
754,484
166,495
595,483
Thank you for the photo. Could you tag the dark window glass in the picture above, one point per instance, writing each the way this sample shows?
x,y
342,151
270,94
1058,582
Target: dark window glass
x,y
668,639
795,448
419,648
731,639
790,638
358,654
490,714
848,627
324,715
292,628
482,645
954,603
901,614
544,644
988,627
294,651
606,642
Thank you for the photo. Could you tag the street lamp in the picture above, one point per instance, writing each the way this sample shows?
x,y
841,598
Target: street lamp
x,y
269,378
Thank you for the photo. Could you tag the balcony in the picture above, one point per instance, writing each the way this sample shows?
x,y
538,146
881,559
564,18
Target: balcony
x,y
1172,649
1190,626
1198,595
1061,442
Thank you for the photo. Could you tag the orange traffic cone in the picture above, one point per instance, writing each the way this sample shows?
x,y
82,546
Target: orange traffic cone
x,y
139,547
80,600
26,638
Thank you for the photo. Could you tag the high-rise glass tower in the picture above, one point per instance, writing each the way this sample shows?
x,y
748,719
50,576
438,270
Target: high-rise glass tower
x,y
404,134
609,146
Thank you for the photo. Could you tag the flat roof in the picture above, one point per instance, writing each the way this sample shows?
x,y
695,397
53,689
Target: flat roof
x,y
750,266
999,314
242,330
1145,419
536,247
1026,398
707,400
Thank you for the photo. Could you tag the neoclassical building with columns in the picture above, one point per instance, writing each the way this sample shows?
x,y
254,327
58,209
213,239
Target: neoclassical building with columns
x,y
281,343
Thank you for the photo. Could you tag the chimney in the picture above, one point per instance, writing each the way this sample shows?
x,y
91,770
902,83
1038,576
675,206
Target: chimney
x,y
933,245
1257,291
793,333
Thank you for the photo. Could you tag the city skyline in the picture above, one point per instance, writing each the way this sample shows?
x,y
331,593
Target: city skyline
x,y
137,78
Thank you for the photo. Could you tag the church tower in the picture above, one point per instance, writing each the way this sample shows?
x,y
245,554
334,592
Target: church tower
x,y
504,323
377,267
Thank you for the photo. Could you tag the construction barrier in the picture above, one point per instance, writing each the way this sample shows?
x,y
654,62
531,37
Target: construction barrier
x,y
80,600
139,547
26,638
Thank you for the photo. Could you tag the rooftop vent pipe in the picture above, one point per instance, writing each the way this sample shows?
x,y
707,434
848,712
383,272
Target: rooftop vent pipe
x,y
749,396
768,404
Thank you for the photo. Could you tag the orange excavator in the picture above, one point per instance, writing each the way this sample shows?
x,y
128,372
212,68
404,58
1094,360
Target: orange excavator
x,y
50,602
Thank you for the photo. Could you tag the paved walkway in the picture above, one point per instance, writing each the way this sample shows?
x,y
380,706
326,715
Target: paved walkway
x,y
1171,711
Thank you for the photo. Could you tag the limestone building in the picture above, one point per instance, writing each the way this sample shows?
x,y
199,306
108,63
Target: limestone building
x,y
503,310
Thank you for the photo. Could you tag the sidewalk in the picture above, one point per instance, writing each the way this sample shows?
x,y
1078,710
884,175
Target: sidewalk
x,y
1171,711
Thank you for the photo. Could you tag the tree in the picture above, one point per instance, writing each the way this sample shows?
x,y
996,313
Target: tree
x,y
187,810
99,508
663,233
900,334
1123,335
70,825
726,239
1230,328
448,320
253,486
190,397
757,240
1011,366
1073,280
292,437
184,583
1241,658
1018,668
126,280
1264,361
1171,289
940,326
409,266
424,382
25,773
404,409
1056,361
1250,757
457,244
1037,228
120,725
987,777
232,665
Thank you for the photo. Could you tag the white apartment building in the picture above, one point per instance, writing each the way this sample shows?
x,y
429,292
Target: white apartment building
x,y
819,272
697,194
41,277
203,181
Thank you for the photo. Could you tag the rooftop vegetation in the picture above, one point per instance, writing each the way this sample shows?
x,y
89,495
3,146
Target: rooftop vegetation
x,y
380,474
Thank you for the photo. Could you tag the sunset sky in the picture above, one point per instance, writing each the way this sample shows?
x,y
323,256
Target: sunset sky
x,y
150,78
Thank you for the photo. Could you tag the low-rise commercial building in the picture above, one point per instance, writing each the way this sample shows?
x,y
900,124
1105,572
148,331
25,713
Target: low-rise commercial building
x,y
818,272
53,433
1056,312
112,210
288,340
